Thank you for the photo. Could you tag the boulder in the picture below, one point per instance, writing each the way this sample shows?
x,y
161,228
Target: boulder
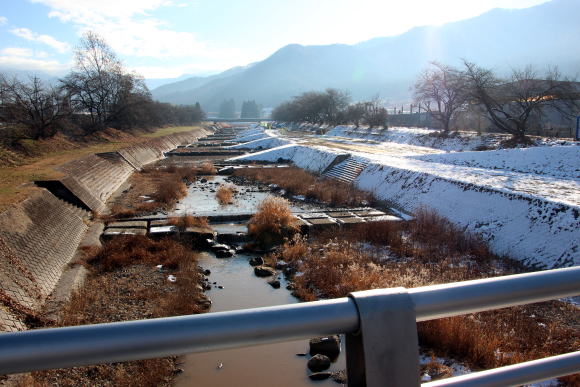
x,y
219,246
329,346
320,375
318,363
275,284
264,271
281,265
256,261
225,253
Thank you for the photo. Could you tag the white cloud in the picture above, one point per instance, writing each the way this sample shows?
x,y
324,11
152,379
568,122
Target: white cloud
x,y
128,27
17,51
3,20
27,34
30,64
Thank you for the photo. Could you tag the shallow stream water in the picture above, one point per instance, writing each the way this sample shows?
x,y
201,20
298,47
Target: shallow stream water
x,y
266,365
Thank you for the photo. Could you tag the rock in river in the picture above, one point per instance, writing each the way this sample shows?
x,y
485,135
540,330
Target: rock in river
x,y
264,271
318,363
329,346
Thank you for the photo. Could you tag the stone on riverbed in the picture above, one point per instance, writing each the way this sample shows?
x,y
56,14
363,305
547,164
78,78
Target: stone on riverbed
x,y
329,346
275,284
318,363
264,271
225,253
256,261
320,375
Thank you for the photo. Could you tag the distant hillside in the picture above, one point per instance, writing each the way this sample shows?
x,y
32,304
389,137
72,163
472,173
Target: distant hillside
x,y
543,35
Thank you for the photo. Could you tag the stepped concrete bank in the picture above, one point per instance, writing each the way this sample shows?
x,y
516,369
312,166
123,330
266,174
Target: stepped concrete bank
x,y
538,231
39,236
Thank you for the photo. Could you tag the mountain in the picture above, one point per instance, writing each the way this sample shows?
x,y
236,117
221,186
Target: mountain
x,y
501,39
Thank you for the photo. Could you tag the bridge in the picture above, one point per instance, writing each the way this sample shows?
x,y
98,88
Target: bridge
x,y
239,120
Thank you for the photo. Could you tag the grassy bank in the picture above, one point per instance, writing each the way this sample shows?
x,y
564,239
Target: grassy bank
x,y
38,160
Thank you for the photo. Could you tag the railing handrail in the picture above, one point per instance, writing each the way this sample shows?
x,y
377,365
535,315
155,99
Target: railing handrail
x,y
133,340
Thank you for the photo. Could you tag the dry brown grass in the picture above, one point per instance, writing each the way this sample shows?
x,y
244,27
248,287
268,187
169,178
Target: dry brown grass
x,y
272,222
16,181
225,195
297,181
127,250
207,168
125,285
431,250
185,221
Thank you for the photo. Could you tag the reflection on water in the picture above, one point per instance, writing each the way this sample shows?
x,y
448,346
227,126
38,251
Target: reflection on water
x,y
267,365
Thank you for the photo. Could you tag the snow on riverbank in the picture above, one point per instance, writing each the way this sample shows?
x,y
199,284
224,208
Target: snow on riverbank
x,y
524,202
419,137
556,161
262,143
311,158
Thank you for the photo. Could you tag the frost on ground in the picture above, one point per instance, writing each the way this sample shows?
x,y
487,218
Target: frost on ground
x,y
262,143
556,161
524,202
313,159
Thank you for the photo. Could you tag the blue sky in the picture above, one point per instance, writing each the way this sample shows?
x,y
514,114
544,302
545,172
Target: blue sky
x,y
168,38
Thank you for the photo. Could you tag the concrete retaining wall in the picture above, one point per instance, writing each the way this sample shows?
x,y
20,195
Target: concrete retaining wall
x,y
39,236
38,239
94,178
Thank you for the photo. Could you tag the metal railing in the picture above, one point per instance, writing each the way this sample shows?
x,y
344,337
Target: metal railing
x,y
353,316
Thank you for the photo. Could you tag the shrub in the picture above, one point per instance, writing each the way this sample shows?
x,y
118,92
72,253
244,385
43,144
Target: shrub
x,y
207,168
182,222
170,189
272,222
224,195
128,250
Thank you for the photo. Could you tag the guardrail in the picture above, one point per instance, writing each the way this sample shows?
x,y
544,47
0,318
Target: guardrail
x,y
380,329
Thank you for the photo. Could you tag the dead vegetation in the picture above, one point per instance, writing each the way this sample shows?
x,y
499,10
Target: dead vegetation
x,y
297,181
207,168
431,250
225,195
182,222
135,289
272,222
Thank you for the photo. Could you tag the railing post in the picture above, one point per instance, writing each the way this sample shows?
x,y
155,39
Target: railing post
x,y
385,351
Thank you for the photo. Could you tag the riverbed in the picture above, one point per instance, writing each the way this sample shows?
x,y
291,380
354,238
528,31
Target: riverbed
x,y
265,365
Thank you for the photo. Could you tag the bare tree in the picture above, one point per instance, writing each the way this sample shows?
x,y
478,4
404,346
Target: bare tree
x,y
33,104
444,87
98,81
511,103
375,114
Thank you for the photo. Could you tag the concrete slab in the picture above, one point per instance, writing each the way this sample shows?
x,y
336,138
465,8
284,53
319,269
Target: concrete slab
x,y
313,215
155,223
128,224
384,218
162,230
322,222
351,220
365,213
112,232
340,214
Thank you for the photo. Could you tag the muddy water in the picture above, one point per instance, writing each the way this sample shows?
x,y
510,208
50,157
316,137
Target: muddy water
x,y
268,365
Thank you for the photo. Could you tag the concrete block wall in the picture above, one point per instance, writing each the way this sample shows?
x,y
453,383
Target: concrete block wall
x,y
39,237
94,178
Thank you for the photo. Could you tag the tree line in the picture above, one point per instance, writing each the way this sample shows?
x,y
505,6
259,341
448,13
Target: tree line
x,y
510,103
331,107
444,92
98,93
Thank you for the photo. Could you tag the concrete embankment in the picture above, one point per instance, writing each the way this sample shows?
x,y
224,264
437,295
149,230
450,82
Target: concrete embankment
x,y
540,231
39,236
